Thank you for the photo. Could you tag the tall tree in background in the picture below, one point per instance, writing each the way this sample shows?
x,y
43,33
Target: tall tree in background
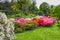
x,y
44,7
33,8
23,4
20,6
5,6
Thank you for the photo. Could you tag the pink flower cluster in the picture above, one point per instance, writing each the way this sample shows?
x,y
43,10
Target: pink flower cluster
x,y
42,21
19,21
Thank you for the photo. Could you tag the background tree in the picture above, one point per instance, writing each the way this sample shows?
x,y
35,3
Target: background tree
x,y
23,4
5,7
44,7
33,8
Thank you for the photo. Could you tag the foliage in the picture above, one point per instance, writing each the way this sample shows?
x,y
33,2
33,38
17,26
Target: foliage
x,y
21,15
44,7
21,7
23,4
57,12
40,13
52,8
6,8
32,8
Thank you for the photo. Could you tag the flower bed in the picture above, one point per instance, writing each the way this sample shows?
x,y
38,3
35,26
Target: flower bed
x,y
28,23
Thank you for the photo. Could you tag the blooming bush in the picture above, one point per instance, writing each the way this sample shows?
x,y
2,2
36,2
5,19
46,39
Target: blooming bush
x,y
27,25
22,24
35,20
46,21
19,21
30,23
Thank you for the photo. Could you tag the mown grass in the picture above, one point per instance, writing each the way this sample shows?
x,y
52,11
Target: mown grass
x,y
41,33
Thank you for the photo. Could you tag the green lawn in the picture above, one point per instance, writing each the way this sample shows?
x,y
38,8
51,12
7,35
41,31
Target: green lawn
x,y
43,33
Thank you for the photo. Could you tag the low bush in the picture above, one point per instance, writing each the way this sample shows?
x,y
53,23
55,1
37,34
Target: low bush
x,y
25,26
28,25
17,28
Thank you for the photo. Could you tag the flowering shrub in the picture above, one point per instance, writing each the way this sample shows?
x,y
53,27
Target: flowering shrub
x,y
30,23
35,20
46,21
27,25
19,21
42,21
22,24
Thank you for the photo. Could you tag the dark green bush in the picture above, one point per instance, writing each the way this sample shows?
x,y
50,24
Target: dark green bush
x,y
17,29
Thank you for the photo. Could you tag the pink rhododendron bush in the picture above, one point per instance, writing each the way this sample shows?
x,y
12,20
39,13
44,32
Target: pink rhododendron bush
x,y
42,21
32,22
22,24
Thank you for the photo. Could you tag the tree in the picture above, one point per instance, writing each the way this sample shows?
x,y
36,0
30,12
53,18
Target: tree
x,y
52,10
5,6
57,12
23,4
33,8
44,7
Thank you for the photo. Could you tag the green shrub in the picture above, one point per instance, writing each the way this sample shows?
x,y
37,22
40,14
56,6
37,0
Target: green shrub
x,y
17,29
